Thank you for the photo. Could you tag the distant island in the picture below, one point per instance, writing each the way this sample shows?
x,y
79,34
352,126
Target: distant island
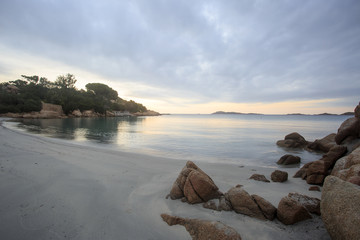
x,y
290,114
222,112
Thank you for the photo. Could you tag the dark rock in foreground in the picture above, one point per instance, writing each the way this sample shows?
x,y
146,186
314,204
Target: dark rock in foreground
x,y
340,208
291,211
202,229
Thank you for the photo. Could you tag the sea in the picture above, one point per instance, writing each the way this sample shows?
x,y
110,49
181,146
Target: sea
x,y
222,138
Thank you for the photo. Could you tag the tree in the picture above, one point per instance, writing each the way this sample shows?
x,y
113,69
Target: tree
x,y
102,90
66,82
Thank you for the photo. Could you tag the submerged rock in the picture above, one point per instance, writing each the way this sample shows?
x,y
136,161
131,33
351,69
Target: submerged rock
x,y
289,159
202,229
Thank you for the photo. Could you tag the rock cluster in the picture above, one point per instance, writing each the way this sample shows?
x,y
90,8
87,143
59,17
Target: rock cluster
x,y
340,208
195,185
202,229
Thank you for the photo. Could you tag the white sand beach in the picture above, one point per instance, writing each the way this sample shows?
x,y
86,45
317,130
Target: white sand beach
x,y
55,189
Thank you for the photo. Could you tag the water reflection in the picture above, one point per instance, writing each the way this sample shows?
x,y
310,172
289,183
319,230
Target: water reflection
x,y
101,130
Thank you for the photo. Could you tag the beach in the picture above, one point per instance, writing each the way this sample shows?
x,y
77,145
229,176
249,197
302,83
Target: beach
x,y
56,189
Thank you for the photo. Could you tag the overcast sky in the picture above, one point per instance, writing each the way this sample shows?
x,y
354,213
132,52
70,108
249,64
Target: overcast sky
x,y
193,56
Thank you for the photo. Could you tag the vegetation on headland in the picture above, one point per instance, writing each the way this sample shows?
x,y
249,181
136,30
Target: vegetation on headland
x,y
26,94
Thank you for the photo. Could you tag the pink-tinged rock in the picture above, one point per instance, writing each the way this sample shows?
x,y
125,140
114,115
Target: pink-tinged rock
x,y
340,208
323,144
265,206
314,188
290,211
243,203
259,177
288,159
349,127
310,203
203,229
292,140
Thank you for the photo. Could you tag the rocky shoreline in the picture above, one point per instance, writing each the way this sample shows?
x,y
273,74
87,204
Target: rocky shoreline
x,y
338,171
51,111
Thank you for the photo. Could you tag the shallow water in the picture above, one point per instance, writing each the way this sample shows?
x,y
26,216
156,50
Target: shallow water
x,y
241,139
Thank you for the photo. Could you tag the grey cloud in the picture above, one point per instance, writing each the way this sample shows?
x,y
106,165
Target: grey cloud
x,y
239,51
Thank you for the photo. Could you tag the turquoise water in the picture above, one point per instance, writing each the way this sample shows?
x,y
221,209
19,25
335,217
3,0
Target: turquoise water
x,y
242,139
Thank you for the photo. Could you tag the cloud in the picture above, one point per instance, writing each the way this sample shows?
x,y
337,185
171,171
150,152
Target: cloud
x,y
233,51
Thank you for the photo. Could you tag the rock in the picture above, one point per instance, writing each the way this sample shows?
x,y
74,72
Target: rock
x,y
357,111
76,113
348,166
210,205
194,184
279,176
243,203
317,179
289,159
259,177
350,127
293,140
265,206
310,203
340,208
224,205
202,229
199,187
302,171
323,144
290,211
333,155
354,180
314,188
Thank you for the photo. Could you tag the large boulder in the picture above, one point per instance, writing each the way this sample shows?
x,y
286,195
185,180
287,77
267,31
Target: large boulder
x,y
194,184
316,172
349,128
243,203
202,229
348,166
288,159
310,203
323,144
279,176
340,208
292,140
333,155
290,211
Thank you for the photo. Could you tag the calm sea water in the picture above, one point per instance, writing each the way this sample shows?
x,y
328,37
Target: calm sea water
x,y
241,139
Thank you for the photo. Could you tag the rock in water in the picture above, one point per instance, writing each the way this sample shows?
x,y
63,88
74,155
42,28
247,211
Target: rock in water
x,y
279,176
350,127
323,144
202,229
292,140
340,208
289,159
194,184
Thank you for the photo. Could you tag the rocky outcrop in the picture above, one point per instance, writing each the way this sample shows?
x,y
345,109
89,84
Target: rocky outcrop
x,y
291,211
288,159
292,140
221,204
348,167
243,203
147,113
279,176
324,144
265,206
340,208
202,229
195,185
259,177
310,203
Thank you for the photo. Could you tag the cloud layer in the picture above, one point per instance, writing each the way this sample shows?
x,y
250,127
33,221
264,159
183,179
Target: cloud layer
x,y
232,51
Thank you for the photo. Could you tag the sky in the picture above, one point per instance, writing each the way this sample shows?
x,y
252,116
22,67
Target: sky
x,y
250,56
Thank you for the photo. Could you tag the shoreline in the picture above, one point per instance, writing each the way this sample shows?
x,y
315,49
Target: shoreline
x,y
56,190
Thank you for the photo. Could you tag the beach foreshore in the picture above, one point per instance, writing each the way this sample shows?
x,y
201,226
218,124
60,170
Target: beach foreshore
x,y
53,189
